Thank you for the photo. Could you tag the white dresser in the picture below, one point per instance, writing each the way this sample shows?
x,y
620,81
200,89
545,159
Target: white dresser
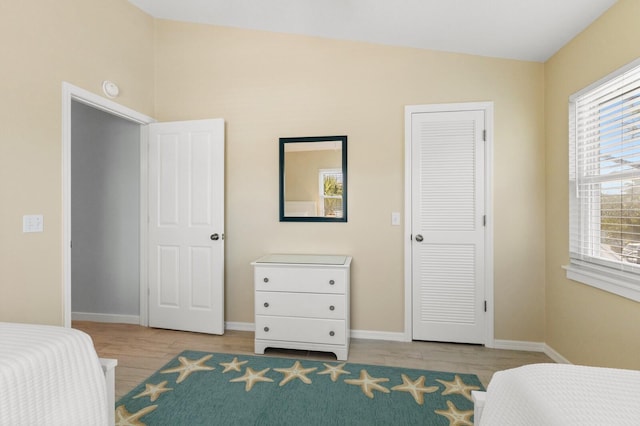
x,y
302,302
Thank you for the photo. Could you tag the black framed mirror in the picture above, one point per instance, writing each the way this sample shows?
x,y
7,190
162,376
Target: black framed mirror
x,y
313,179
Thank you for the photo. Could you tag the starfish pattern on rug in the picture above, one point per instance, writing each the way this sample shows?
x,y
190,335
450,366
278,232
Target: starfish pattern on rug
x,y
455,416
458,386
125,418
234,365
368,383
251,378
188,366
445,396
295,372
416,389
334,370
153,391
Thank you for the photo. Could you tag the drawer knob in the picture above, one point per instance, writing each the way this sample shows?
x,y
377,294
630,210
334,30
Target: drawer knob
x,y
266,280
331,333
332,308
332,282
266,329
266,304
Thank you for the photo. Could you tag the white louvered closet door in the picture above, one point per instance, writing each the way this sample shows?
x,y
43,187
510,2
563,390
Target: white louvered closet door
x,y
447,226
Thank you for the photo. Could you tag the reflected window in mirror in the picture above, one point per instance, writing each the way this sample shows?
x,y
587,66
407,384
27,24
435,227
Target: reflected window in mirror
x,y
313,179
330,192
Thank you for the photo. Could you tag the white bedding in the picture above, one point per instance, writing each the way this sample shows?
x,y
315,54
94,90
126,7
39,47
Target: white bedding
x,y
50,376
561,394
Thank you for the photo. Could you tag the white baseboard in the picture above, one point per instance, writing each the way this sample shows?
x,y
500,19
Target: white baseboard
x,y
239,326
512,345
554,355
378,335
518,345
111,318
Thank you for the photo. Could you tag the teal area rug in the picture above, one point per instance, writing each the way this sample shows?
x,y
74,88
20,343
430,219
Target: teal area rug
x,y
202,388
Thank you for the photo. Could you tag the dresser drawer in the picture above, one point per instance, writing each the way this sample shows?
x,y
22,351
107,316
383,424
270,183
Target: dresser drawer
x,y
305,280
300,304
309,330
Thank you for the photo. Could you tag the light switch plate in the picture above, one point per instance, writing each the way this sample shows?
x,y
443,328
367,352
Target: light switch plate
x,y
395,218
32,223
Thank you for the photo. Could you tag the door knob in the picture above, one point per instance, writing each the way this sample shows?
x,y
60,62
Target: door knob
x,y
215,237
419,238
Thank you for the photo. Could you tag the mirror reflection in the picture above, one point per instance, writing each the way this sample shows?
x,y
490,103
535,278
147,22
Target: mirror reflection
x,y
313,179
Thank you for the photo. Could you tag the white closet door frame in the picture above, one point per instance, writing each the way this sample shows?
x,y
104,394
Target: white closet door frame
x,y
487,107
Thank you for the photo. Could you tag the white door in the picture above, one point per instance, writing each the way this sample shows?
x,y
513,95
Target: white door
x,y
186,226
448,233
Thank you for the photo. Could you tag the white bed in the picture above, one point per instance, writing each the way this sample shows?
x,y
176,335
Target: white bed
x,y
560,394
52,376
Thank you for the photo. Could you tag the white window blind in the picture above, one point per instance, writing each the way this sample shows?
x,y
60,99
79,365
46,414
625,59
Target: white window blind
x,y
605,175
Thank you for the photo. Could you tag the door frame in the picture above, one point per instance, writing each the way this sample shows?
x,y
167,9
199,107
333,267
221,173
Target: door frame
x,y
487,107
73,93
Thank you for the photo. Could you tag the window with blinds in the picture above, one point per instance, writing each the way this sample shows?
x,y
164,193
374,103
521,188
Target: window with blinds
x,y
605,175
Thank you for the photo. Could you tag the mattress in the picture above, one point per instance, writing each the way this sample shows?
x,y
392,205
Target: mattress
x,y
561,394
50,376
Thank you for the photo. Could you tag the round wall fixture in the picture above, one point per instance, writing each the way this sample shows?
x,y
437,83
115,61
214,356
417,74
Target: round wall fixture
x,y
110,89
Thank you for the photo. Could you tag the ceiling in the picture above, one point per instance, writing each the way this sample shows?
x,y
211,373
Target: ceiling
x,y
531,30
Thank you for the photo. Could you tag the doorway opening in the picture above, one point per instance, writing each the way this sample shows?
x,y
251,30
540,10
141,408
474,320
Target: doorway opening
x,y
80,101
105,216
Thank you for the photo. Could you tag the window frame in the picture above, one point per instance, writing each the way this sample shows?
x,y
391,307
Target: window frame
x,y
321,195
615,277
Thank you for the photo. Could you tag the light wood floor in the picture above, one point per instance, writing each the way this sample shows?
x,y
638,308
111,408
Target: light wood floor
x,y
141,351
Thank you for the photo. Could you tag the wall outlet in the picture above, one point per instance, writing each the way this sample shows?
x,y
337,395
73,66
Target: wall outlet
x,y
395,218
32,223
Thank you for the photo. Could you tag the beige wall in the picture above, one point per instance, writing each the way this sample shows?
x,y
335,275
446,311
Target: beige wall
x,y
265,86
44,44
268,86
585,325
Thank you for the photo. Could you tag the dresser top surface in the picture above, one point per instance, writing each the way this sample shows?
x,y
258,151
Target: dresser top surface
x,y
304,259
